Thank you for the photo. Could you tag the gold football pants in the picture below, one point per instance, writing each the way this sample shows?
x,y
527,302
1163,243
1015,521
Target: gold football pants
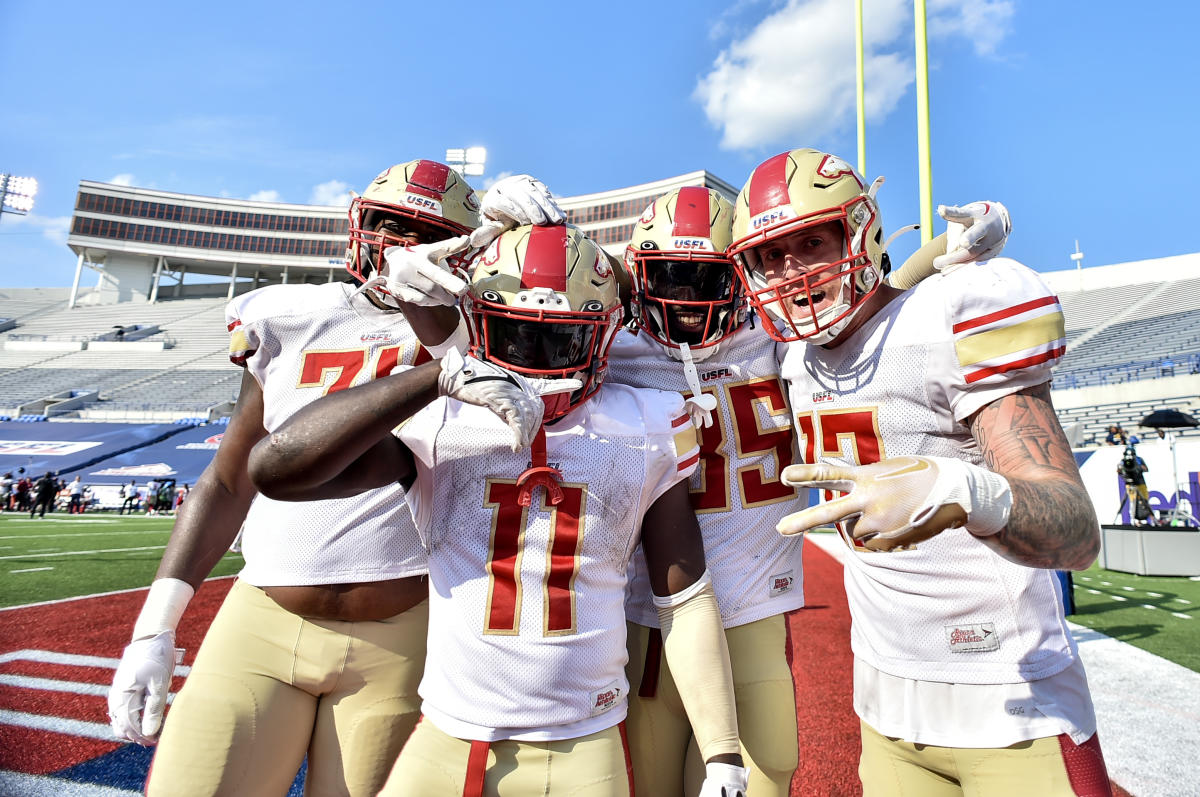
x,y
269,687
435,764
660,737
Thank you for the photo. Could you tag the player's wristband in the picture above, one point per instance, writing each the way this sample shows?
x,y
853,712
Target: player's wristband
x,y
163,607
988,497
459,339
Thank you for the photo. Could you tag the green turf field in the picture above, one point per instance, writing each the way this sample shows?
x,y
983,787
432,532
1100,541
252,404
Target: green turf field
x,y
1160,614
64,556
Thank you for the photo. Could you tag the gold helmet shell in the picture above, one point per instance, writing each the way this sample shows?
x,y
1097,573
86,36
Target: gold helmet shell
x,y
785,195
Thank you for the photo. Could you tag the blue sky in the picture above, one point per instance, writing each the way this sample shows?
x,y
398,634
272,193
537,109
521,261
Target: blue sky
x,y
1080,116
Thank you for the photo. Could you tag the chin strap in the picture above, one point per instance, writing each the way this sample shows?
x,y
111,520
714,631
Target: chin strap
x,y
539,473
701,405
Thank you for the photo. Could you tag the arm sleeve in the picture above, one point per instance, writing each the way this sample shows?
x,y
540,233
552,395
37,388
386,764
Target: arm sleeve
x,y
696,650
1008,332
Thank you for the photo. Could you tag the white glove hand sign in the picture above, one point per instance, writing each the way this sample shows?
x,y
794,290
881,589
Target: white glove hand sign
x,y
513,202
977,231
419,275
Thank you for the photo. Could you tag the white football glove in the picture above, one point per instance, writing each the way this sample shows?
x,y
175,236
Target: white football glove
x,y
700,409
898,502
725,780
419,274
513,202
514,398
977,231
138,695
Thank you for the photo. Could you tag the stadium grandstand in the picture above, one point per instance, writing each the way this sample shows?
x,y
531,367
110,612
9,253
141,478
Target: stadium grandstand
x,y
147,343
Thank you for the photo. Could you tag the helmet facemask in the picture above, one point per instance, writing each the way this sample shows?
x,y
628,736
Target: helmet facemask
x,y
818,303
693,301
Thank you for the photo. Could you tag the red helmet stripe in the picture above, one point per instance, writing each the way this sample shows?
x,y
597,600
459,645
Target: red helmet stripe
x,y
429,178
768,186
691,212
546,259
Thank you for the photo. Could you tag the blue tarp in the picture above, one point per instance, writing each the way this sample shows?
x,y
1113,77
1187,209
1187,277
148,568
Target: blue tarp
x,y
67,448
182,457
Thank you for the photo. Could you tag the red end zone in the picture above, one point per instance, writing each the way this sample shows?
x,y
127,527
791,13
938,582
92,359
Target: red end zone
x,y
54,677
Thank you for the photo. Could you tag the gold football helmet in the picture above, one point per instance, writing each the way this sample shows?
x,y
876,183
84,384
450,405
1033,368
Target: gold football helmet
x,y
786,196
543,301
423,197
684,288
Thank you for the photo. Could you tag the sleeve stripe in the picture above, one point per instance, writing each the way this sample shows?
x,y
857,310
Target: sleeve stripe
x,y
232,325
689,462
681,420
1025,362
686,442
972,323
1010,339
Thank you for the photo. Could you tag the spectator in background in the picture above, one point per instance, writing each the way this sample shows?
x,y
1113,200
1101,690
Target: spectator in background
x,y
76,492
6,488
129,497
44,493
151,497
166,497
183,494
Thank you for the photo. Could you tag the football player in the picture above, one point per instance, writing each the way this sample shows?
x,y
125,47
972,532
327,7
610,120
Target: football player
x,y
690,335
524,689
930,410
319,646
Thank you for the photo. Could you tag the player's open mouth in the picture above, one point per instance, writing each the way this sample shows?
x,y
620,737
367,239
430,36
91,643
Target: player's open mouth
x,y
816,298
690,320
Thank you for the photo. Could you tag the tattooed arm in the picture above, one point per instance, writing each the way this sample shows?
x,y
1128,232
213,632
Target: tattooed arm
x,y
1053,523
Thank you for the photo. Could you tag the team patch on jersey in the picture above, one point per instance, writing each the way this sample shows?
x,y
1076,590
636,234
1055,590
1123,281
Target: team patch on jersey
x,y
1023,335
780,583
604,699
822,395
972,637
716,373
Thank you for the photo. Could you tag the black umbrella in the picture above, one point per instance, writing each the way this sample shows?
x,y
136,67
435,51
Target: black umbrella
x,y
1168,419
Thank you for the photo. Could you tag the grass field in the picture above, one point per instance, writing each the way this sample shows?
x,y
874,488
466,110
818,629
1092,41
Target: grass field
x,y
65,556
1160,614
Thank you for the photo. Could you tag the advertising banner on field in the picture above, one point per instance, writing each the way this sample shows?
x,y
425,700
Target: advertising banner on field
x,y
1106,486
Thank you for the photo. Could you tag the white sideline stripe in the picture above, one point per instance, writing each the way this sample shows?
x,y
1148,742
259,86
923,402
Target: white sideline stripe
x,y
80,534
74,687
88,553
47,786
94,595
38,722
31,570
51,685
1165,707
73,659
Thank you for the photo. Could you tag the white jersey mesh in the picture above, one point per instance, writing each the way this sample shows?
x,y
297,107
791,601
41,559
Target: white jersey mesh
x,y
525,641
301,342
952,610
736,490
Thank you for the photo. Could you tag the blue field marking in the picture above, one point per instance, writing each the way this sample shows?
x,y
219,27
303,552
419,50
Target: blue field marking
x,y
126,768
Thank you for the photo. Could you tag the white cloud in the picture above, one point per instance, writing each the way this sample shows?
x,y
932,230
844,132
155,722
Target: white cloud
x,y
491,181
269,195
124,179
791,78
333,193
53,228
984,22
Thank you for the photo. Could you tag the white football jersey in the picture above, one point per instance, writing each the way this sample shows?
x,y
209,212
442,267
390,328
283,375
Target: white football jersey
x,y
905,383
526,608
736,491
301,342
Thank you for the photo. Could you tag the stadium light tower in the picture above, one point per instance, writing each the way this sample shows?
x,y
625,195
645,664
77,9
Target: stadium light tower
x,y
467,160
1077,256
16,194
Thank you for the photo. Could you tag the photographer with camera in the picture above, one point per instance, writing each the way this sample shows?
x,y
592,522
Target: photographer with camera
x,y
1130,469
